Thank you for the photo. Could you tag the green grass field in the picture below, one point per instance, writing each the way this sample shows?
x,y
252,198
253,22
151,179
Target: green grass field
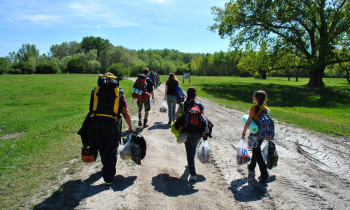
x,y
324,110
50,109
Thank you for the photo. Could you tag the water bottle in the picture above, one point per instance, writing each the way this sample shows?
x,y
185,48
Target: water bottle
x,y
152,101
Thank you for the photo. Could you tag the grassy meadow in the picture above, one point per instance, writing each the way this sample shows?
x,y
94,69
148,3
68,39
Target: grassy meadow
x,y
50,110
325,110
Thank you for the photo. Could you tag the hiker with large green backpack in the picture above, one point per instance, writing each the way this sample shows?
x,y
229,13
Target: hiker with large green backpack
x,y
266,131
193,126
107,103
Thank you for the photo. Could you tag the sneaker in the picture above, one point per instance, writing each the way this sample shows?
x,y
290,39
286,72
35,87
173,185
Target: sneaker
x,y
140,123
108,183
145,123
193,178
262,180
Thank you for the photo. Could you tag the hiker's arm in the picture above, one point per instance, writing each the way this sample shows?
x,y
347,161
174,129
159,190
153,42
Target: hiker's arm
x,y
177,113
127,119
166,92
152,93
247,125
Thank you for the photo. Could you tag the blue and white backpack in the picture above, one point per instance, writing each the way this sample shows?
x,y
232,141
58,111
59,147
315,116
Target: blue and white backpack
x,y
180,94
266,127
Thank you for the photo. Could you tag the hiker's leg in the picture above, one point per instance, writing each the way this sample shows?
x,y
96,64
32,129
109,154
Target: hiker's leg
x,y
147,103
171,101
109,155
253,160
191,146
260,161
172,107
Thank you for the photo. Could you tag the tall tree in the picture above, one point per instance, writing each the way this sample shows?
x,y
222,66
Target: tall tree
x,y
94,43
27,51
311,29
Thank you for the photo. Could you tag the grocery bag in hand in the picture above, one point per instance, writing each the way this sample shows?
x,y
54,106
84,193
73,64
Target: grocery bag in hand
x,y
203,153
163,107
242,153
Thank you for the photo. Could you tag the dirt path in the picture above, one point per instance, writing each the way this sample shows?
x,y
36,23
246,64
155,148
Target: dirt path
x,y
312,173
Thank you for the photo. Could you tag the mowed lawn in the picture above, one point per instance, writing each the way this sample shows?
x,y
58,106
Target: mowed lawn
x,y
49,109
324,110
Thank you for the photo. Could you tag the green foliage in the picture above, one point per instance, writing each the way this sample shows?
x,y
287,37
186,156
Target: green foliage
x,y
65,49
296,26
47,68
74,65
119,70
5,65
27,51
94,43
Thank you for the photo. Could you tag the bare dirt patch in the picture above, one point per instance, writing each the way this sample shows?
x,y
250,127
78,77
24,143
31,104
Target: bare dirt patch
x,y
12,135
312,172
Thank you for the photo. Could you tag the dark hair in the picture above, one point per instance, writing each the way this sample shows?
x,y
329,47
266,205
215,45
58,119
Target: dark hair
x,y
261,97
172,76
191,93
145,71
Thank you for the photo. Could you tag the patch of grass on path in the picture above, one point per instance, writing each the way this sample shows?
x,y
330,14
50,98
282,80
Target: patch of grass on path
x,y
50,109
325,110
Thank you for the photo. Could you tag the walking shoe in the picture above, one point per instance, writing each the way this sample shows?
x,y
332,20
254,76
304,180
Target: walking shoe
x,y
193,178
140,123
263,180
145,123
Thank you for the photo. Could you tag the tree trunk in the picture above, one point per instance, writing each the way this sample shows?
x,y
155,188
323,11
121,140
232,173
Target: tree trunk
x,y
347,75
297,75
316,77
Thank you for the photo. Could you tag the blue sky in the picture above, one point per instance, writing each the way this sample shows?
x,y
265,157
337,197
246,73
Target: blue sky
x,y
134,24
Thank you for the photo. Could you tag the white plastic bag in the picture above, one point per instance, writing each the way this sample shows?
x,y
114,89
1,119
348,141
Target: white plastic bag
x,y
182,138
126,153
242,153
203,153
265,151
163,107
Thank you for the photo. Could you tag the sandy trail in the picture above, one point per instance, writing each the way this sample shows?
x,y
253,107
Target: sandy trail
x,y
312,172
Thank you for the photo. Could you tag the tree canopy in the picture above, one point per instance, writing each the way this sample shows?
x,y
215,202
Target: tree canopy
x,y
310,29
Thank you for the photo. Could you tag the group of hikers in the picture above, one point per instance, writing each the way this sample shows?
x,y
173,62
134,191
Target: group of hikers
x,y
102,126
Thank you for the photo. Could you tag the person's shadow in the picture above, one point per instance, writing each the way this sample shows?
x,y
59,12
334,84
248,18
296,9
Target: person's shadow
x,y
252,192
159,125
69,195
173,186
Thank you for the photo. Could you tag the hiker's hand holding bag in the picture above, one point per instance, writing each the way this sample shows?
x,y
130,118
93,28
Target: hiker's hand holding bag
x,y
163,107
126,152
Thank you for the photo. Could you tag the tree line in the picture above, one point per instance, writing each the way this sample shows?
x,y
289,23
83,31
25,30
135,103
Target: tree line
x,y
95,55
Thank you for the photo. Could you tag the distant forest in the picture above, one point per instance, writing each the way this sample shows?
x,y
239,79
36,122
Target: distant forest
x,y
95,55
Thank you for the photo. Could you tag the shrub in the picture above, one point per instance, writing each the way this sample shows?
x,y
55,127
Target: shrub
x,y
47,68
74,65
119,70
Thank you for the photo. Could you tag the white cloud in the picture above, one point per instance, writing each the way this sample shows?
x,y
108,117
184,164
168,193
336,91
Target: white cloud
x,y
41,18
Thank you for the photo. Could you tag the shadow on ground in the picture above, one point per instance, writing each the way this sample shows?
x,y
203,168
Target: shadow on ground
x,y
69,195
159,125
254,191
282,95
173,186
